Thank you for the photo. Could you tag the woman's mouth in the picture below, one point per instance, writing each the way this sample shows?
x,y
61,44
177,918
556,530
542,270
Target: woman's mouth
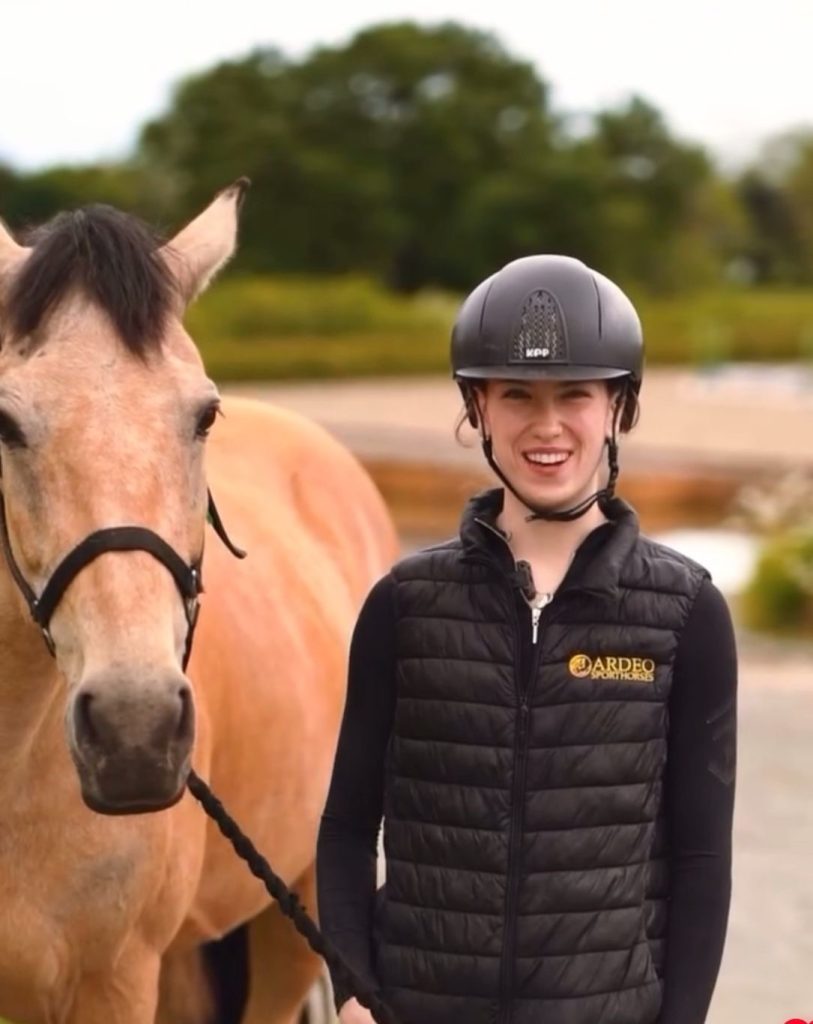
x,y
546,463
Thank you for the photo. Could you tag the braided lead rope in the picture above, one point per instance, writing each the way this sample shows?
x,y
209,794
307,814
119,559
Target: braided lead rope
x,y
287,900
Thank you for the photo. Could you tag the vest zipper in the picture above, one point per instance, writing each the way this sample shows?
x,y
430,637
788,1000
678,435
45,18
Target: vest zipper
x,y
524,689
524,692
537,606
535,614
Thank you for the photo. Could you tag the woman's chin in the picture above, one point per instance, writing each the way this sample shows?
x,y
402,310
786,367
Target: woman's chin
x,y
553,498
554,495
549,483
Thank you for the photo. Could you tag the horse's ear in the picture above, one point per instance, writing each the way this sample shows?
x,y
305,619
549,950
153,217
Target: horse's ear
x,y
12,257
200,249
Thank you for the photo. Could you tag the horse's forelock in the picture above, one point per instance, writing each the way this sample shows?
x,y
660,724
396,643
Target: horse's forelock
x,y
113,258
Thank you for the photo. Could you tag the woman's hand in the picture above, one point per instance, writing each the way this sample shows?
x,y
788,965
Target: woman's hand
x,y
352,1012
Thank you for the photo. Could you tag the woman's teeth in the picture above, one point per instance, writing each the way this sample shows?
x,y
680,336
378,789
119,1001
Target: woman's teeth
x,y
547,458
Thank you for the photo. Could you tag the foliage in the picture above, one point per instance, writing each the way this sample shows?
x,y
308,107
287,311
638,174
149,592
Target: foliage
x,y
777,194
272,327
257,308
421,156
363,156
779,598
428,155
712,327
33,198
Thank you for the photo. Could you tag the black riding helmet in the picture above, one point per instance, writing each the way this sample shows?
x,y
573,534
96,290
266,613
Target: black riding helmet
x,y
549,317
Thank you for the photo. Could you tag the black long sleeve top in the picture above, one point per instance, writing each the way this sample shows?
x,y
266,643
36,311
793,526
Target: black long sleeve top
x,y
699,793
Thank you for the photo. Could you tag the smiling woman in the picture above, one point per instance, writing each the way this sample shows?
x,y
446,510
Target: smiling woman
x,y
542,709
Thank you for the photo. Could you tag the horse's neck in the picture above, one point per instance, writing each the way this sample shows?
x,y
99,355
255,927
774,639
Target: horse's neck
x,y
31,691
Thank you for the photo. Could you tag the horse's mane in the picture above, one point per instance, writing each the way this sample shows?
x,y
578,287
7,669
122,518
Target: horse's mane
x,y
112,257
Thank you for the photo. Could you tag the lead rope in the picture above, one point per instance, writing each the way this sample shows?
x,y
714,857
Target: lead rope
x,y
288,901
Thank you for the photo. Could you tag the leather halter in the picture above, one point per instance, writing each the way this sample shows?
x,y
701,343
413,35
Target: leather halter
x,y
116,538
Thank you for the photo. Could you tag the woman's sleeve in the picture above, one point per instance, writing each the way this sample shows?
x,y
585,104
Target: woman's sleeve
x,y
700,775
346,855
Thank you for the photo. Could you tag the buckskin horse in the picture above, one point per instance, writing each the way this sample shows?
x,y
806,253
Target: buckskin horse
x,y
111,878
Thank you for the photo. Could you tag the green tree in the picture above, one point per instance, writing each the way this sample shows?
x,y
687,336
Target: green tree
x,y
773,249
650,200
372,155
430,156
799,193
34,198
777,193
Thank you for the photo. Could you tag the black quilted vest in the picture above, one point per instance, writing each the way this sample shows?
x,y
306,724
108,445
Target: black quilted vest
x,y
524,824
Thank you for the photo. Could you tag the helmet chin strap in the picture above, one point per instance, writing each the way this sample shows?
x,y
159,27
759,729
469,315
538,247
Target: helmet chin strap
x,y
568,515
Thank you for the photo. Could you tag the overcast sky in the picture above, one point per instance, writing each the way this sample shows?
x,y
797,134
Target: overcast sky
x,y
79,78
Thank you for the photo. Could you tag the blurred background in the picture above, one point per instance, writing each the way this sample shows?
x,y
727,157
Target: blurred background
x,y
399,154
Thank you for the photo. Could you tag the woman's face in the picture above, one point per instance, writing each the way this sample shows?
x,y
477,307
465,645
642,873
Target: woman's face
x,y
548,436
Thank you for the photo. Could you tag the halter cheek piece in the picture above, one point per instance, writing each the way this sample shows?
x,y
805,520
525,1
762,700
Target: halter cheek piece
x,y
117,538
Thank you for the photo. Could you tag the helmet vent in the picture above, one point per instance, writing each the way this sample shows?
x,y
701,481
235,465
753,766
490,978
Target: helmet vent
x,y
540,335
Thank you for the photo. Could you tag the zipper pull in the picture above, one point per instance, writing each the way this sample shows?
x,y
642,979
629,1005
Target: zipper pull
x,y
541,601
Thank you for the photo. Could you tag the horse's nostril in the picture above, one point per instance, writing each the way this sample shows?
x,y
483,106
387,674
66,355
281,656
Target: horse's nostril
x,y
131,738
186,720
118,712
85,729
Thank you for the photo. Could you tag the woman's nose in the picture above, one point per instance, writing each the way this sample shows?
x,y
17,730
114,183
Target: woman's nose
x,y
546,418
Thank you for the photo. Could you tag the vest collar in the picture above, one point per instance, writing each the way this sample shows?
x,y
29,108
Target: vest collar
x,y
597,563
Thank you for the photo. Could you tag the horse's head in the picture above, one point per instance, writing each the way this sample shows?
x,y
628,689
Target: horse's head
x,y
104,407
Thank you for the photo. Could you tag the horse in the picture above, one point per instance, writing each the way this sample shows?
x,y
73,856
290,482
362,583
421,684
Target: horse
x,y
112,437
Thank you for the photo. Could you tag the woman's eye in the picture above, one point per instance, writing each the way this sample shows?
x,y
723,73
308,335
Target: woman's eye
x,y
515,393
206,421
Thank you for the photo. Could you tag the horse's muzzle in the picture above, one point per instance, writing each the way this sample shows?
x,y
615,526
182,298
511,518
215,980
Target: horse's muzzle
x,y
131,740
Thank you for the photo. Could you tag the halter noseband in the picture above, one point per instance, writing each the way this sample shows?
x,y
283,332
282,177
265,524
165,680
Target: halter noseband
x,y
116,538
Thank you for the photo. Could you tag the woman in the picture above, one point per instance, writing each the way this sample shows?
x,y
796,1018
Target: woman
x,y
542,710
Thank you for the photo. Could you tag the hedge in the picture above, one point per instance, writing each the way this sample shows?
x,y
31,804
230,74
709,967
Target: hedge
x,y
256,328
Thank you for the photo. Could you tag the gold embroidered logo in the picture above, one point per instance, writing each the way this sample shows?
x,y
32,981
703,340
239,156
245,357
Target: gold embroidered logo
x,y
633,670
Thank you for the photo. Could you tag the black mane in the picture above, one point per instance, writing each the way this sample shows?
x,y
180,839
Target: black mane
x,y
112,257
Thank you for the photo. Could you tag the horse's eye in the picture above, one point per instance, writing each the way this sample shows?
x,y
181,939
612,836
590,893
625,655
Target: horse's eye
x,y
206,421
11,434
